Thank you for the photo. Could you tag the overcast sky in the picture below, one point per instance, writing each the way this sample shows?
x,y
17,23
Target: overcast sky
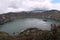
x,y
26,5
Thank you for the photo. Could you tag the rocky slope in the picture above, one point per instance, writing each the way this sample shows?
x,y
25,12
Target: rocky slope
x,y
33,34
55,14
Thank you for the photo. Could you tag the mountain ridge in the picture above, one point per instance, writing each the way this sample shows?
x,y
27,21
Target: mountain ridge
x,y
54,14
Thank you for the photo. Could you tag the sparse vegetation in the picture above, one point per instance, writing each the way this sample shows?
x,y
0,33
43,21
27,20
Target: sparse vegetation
x,y
52,14
33,34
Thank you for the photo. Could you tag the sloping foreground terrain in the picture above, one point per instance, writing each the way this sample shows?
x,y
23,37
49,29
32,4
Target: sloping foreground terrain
x,y
33,34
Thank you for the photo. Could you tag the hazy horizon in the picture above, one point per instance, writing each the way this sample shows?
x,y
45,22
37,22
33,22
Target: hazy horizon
x,y
27,5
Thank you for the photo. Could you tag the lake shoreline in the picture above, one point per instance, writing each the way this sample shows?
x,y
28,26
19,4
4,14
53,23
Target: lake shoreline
x,y
11,16
32,33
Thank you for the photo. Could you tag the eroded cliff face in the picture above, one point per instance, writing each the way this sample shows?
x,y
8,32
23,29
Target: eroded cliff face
x,y
6,17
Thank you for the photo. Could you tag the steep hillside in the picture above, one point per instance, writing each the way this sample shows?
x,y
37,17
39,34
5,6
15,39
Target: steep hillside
x,y
55,14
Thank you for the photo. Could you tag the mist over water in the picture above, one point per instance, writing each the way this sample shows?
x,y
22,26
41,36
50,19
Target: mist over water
x,y
22,24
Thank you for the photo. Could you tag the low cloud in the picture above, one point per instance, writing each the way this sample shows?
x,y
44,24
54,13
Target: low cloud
x,y
56,6
26,5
